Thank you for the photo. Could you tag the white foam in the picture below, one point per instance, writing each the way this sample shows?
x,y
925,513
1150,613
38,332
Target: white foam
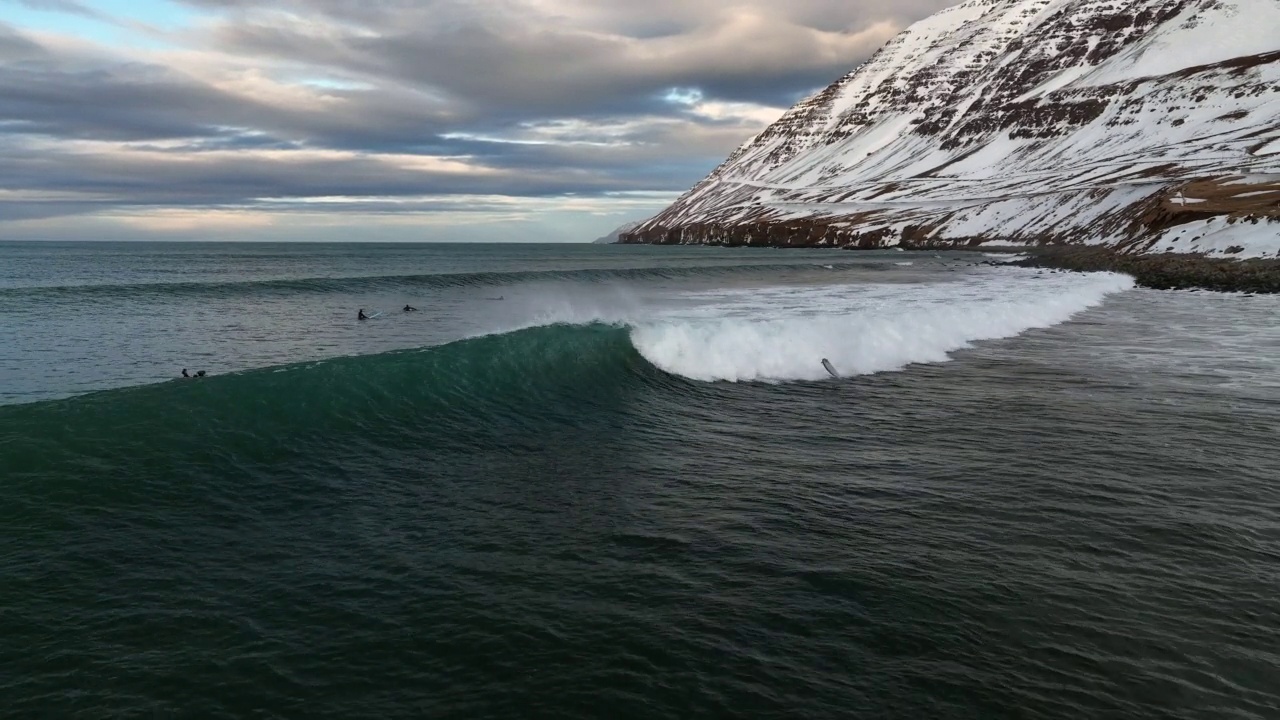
x,y
1006,257
862,329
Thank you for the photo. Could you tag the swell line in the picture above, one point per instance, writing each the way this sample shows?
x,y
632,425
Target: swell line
x,y
422,280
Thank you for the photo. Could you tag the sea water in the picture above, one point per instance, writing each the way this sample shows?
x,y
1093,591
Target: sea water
x,y
605,481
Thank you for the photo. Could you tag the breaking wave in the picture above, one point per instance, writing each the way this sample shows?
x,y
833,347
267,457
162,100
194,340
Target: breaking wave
x,y
552,373
870,336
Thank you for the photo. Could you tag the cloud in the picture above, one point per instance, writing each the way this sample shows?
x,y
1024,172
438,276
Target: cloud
x,y
15,47
564,60
388,108
65,6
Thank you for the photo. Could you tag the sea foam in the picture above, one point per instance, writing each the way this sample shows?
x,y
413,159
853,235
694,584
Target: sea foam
x,y
861,329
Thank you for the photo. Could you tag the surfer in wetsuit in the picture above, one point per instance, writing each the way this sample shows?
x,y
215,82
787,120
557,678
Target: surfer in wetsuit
x,y
409,309
184,373
361,315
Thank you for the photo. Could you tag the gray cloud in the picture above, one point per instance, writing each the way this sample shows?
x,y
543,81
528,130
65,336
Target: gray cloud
x,y
83,98
296,99
228,178
611,59
15,47
132,102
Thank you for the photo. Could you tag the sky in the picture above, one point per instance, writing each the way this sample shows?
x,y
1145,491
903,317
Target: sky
x,y
395,120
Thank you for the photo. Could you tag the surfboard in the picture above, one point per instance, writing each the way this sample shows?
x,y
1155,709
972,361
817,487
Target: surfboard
x,y
377,314
827,364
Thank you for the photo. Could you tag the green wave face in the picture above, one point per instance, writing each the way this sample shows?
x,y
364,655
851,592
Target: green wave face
x,y
474,393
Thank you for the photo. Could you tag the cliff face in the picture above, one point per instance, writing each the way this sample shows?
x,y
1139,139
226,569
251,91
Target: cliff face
x,y
1148,125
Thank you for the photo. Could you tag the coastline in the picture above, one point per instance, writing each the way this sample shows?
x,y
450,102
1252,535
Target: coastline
x,y
1164,271
1157,271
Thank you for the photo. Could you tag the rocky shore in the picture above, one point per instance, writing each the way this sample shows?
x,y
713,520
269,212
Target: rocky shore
x,y
1165,271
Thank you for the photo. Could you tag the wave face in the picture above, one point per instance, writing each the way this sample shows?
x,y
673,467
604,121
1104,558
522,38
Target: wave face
x,y
866,332
457,393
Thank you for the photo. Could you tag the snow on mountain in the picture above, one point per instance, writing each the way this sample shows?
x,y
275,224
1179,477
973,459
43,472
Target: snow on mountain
x,y
1149,125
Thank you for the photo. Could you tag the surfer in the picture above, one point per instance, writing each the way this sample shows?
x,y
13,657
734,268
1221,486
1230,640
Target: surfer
x,y
827,364
361,315
185,374
407,308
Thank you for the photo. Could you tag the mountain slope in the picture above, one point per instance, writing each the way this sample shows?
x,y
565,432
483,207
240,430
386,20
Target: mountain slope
x,y
612,237
1149,125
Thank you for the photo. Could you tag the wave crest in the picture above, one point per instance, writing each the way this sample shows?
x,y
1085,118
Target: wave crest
x,y
870,336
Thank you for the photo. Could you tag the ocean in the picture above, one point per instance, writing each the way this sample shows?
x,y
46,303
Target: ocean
x,y
617,482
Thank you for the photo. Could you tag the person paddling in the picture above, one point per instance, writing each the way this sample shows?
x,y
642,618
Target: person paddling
x,y
409,309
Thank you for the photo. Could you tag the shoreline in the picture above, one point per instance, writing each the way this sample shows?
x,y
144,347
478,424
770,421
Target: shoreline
x,y
1165,271
1162,271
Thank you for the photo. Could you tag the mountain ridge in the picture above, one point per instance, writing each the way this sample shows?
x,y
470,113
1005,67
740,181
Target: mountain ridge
x,y
1143,125
612,237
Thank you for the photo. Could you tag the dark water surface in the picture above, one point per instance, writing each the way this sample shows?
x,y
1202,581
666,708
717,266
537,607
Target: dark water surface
x,y
632,493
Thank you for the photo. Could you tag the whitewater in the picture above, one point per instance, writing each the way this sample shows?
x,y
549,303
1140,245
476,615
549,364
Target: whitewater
x,y
782,334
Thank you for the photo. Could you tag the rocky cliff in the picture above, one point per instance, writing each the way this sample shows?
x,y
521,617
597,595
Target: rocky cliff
x,y
1146,125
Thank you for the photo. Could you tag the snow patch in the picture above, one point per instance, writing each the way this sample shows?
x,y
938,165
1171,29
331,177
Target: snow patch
x,y
1215,236
1238,28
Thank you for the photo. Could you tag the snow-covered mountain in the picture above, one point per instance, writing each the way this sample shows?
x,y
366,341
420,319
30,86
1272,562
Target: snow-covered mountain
x,y
612,237
1149,125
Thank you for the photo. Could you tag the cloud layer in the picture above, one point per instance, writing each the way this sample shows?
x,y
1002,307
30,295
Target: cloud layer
x,y
409,119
